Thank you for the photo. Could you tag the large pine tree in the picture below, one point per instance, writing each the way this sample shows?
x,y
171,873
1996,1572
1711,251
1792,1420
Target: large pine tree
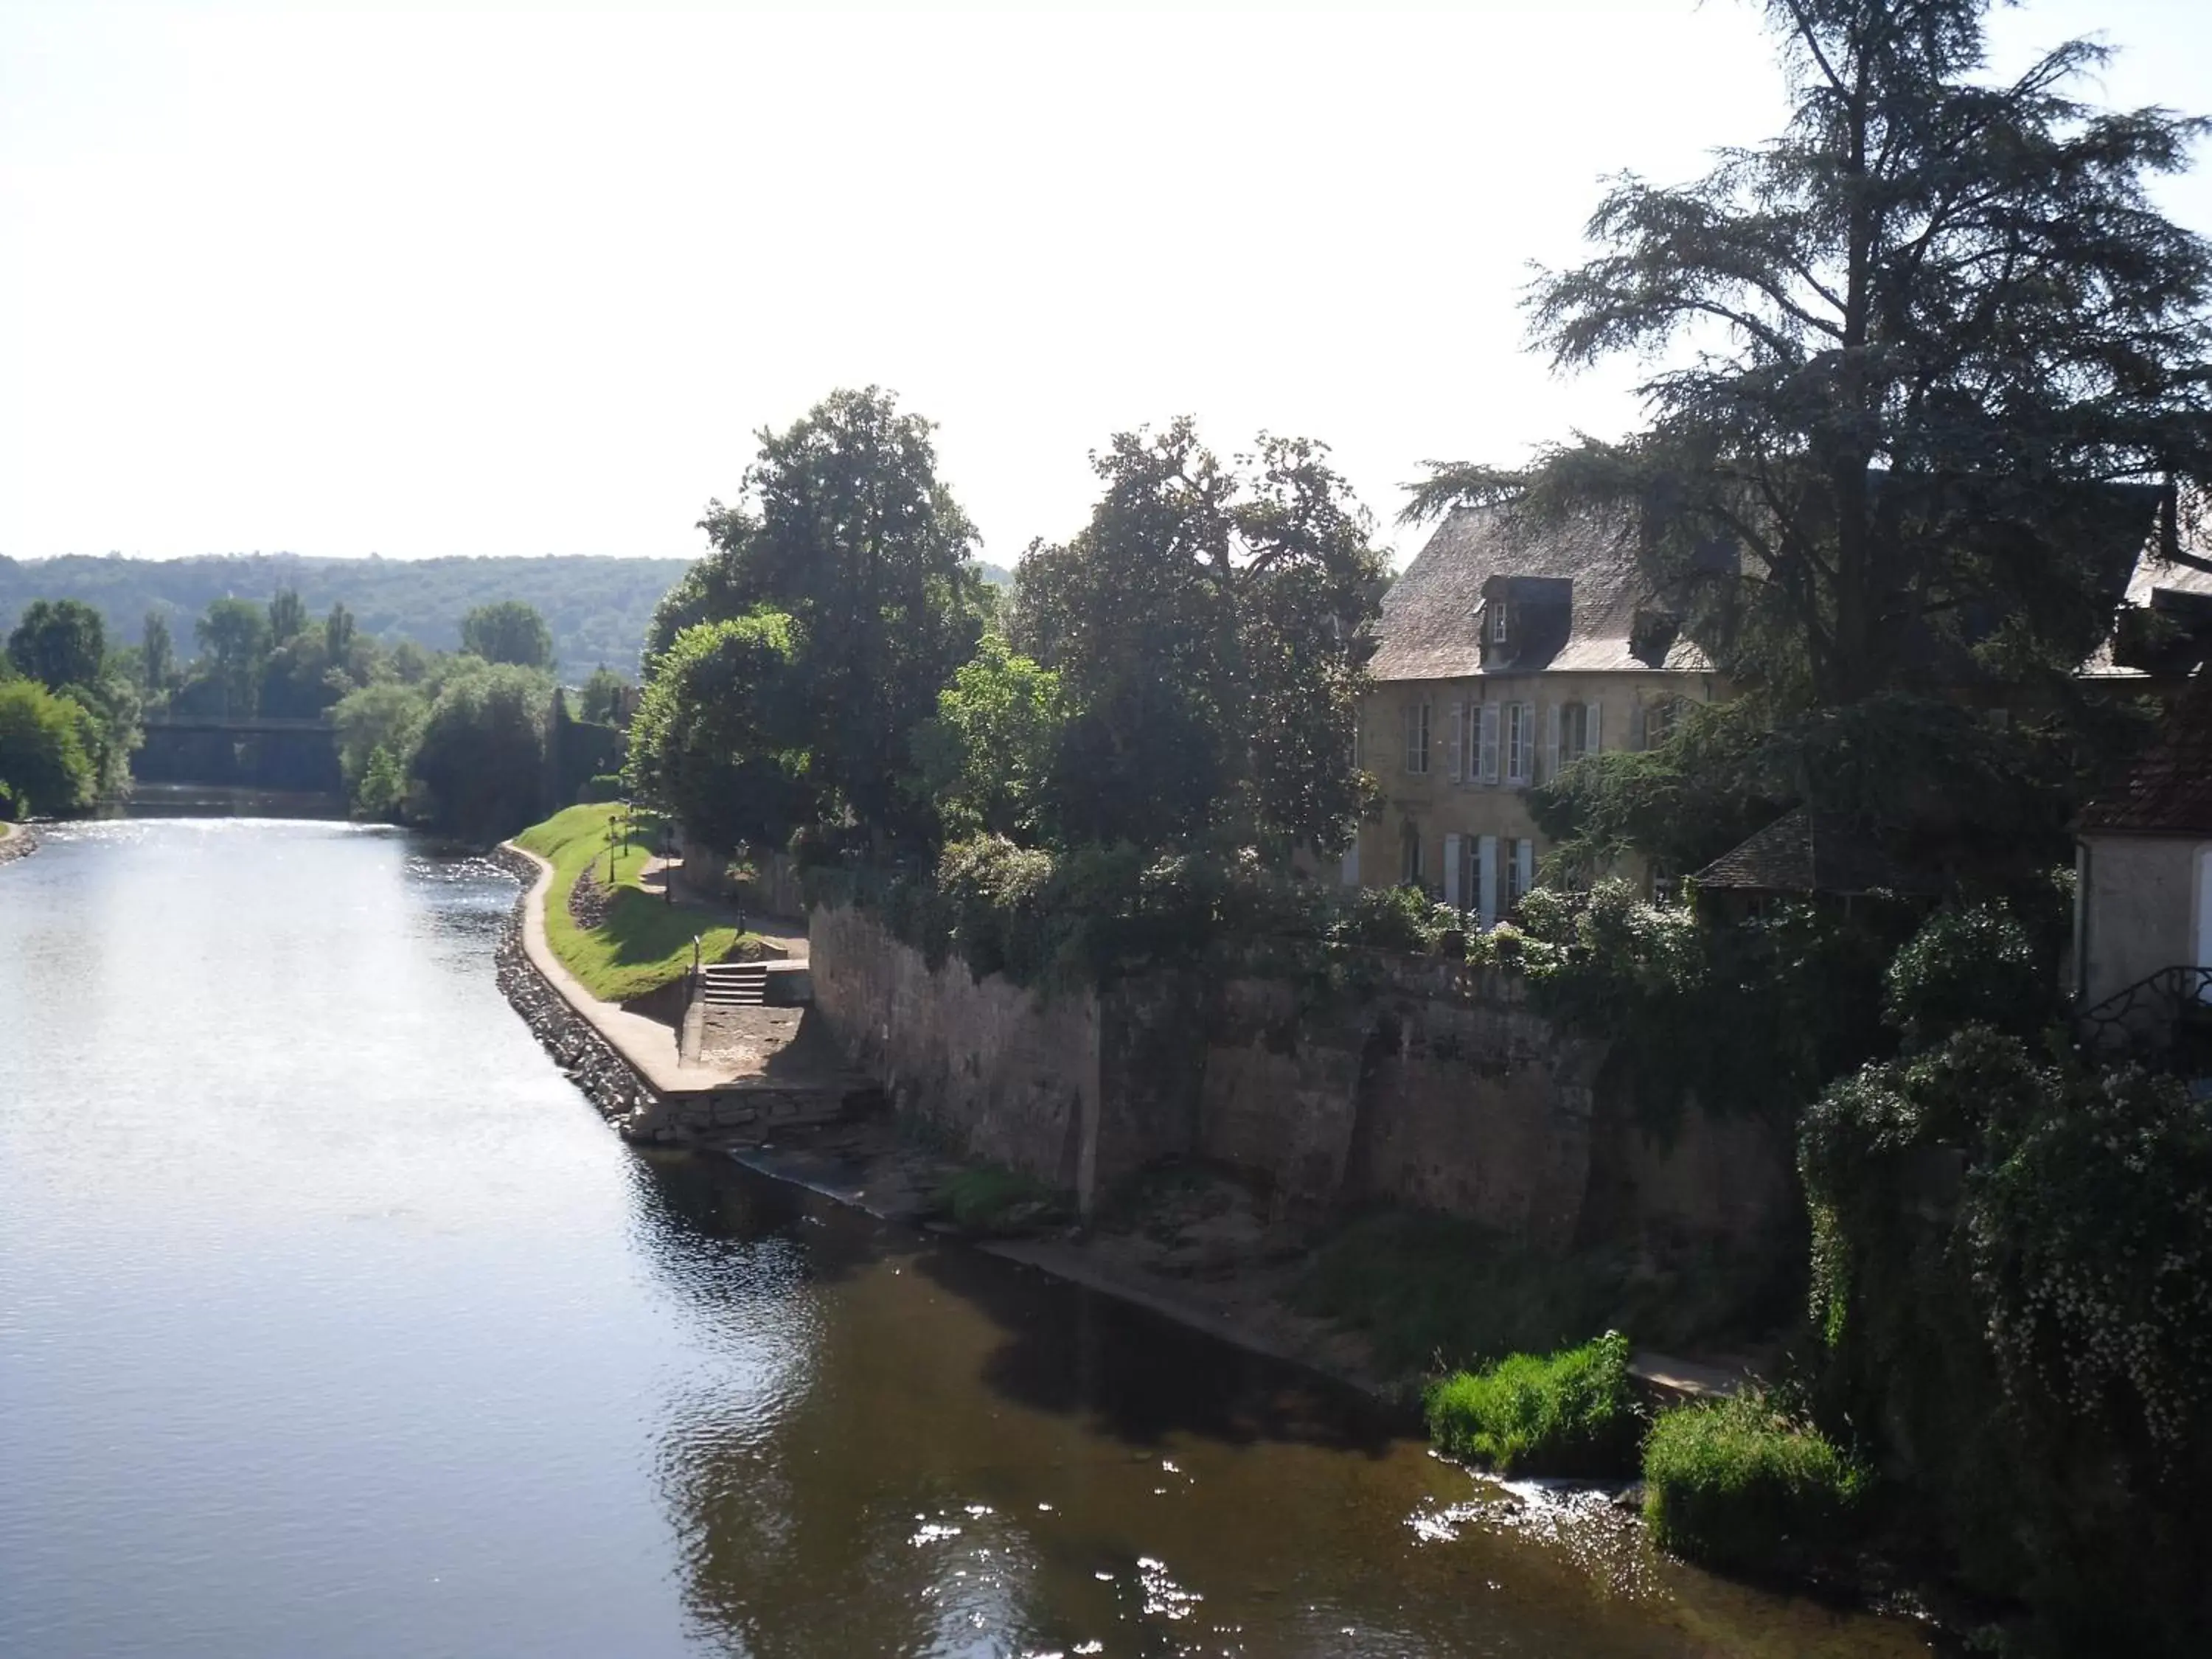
x,y
1906,351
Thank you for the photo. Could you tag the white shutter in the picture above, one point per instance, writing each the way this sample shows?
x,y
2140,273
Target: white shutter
x,y
1524,866
1552,743
1458,740
1451,871
1487,880
1593,708
1486,751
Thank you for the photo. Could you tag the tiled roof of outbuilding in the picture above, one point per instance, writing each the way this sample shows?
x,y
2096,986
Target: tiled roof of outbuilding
x,y
1429,625
1803,852
2168,790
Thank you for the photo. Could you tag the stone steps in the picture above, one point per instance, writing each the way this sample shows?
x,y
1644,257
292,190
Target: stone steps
x,y
735,984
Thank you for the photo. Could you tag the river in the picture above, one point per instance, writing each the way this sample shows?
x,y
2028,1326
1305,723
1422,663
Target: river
x,y
334,1321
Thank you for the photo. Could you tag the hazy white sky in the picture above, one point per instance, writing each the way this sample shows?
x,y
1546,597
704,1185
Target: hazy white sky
x,y
525,279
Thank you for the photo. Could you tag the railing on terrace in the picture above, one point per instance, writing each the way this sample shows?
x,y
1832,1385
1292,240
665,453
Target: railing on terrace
x,y
2164,1019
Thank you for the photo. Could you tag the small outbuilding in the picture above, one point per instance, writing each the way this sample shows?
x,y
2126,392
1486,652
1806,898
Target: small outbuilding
x,y
2142,916
1808,854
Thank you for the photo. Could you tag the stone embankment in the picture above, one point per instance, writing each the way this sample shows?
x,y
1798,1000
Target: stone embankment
x,y
16,842
589,1060
631,1069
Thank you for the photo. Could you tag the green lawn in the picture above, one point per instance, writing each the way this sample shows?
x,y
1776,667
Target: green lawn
x,y
644,942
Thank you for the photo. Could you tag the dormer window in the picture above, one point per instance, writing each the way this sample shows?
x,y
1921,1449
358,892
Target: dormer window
x,y
1500,629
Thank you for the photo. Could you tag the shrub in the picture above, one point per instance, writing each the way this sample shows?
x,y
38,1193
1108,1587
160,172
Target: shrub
x,y
1975,965
1733,1483
1571,1412
602,787
989,1199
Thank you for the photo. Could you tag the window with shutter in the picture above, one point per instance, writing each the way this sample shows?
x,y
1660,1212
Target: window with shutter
x,y
1486,882
1452,863
1487,746
1456,766
1416,737
1521,741
1574,733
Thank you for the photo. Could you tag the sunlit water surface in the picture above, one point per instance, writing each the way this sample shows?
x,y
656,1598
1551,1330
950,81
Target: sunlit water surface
x,y
332,1322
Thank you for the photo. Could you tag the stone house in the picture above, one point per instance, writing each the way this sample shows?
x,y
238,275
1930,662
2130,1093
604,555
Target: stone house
x,y
1506,651
2142,919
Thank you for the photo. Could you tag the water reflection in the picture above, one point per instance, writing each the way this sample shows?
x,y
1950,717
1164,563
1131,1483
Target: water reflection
x,y
334,1321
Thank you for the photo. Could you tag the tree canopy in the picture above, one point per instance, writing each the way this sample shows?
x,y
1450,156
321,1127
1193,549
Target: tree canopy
x,y
846,529
1208,628
1906,351
44,763
720,731
59,642
508,631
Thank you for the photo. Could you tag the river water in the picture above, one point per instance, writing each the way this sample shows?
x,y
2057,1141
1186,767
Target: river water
x,y
332,1322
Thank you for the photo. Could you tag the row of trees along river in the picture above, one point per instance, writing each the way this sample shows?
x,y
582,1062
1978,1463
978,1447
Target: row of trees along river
x,y
1931,328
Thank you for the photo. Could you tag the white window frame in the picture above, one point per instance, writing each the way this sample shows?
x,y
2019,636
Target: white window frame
x,y
1520,870
1417,738
1501,626
1520,742
1574,731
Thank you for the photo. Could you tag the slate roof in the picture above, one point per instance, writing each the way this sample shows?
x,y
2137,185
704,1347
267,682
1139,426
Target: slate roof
x,y
2168,790
1803,852
1428,629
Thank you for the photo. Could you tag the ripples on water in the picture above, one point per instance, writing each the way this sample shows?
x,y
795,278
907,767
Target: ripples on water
x,y
333,1322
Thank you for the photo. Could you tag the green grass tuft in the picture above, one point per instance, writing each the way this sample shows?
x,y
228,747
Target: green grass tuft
x,y
1570,1413
1733,1483
644,942
981,1200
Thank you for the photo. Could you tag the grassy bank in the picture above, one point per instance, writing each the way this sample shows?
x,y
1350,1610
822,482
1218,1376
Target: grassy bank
x,y
644,942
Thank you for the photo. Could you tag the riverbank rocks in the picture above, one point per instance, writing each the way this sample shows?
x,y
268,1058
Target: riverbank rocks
x,y
587,1058
588,902
18,843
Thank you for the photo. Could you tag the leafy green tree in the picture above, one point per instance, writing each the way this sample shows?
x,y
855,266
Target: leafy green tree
x,y
508,632
157,655
44,766
411,665
986,758
288,616
110,708
1209,629
381,719
59,642
338,634
481,757
717,738
849,531
1915,341
235,635
602,697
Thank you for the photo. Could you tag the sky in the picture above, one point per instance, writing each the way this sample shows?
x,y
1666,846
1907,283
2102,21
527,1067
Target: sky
x,y
421,280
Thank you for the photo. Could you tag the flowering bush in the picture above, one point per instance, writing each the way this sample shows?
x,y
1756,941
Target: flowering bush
x,y
2013,1272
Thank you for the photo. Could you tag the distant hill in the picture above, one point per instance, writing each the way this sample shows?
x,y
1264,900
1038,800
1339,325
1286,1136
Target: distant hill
x,y
597,607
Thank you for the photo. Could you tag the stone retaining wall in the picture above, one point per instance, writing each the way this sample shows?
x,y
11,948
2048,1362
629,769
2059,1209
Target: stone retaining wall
x,y
1433,1086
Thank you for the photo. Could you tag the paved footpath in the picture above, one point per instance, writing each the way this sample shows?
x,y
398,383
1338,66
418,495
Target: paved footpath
x,y
648,1046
